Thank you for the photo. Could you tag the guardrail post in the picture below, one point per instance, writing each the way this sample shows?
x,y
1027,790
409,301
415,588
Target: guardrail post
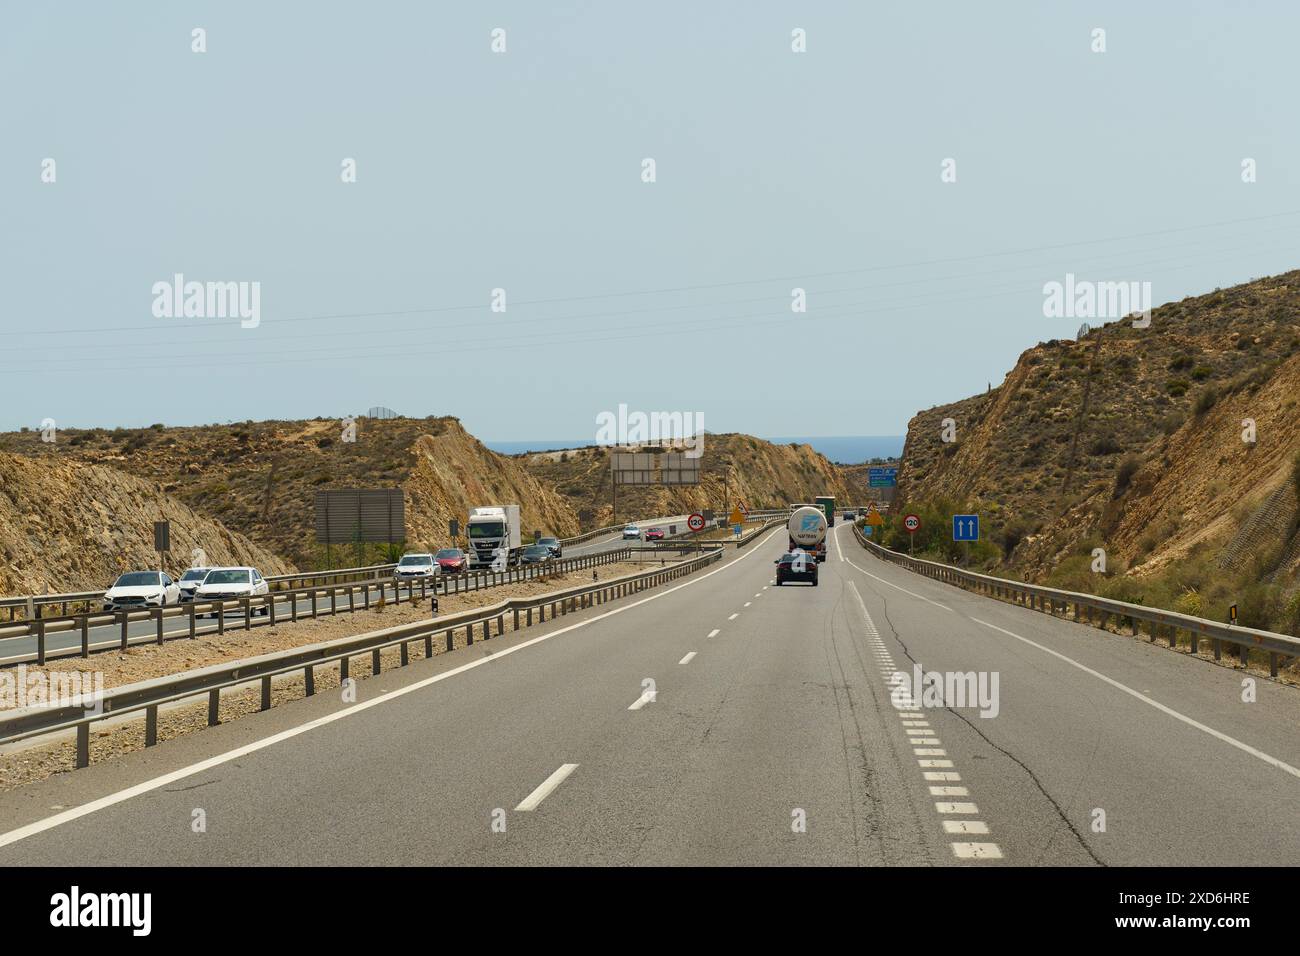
x,y
529,612
487,630
428,645
122,618
469,635
1272,663
85,635
516,619
501,624
83,745
1195,639
151,725
406,652
451,639
334,601
157,616
374,662
313,603
309,679
1243,653
214,707
343,668
266,693
40,641
1218,648
246,606
270,603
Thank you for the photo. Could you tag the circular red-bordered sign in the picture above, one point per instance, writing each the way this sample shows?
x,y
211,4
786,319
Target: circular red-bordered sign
x,y
912,523
695,522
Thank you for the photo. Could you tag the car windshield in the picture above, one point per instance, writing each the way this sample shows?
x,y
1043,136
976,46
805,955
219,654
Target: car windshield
x,y
538,550
449,553
548,541
226,577
486,529
137,579
195,574
410,559
631,527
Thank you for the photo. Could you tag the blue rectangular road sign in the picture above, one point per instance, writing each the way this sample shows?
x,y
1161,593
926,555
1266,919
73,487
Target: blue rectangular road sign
x,y
965,527
883,477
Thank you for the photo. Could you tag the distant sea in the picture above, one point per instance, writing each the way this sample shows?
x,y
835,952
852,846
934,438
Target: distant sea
x,y
848,449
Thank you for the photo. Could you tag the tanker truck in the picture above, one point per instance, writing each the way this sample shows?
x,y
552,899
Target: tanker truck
x,y
807,529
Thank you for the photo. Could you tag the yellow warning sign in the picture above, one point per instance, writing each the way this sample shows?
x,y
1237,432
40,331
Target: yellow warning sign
x,y
874,519
736,516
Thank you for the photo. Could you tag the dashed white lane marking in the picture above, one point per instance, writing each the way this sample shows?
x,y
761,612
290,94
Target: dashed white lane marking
x,y
687,658
544,790
647,698
977,851
966,826
148,786
928,750
943,807
748,603
714,632
1219,735
734,616
758,594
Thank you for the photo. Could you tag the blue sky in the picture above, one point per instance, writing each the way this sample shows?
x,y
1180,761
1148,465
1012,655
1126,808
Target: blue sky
x,y
522,171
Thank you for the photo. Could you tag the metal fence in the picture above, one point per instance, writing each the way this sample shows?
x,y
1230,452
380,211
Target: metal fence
x,y
346,597
1099,611
148,696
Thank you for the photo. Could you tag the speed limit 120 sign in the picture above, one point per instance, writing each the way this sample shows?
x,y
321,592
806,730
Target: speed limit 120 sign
x,y
912,523
695,522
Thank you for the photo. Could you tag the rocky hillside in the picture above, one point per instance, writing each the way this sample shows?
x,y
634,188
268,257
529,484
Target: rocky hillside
x,y
73,526
259,478
761,475
1131,439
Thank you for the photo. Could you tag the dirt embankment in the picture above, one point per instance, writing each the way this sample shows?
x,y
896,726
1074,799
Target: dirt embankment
x,y
67,525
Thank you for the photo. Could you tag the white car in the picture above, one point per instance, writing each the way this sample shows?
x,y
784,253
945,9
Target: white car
x,y
412,567
631,531
190,581
140,589
231,584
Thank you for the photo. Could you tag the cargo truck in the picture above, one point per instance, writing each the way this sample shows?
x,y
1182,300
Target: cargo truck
x,y
494,536
827,505
807,531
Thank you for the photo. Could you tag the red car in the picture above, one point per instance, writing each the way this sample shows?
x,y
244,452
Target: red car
x,y
452,560
655,534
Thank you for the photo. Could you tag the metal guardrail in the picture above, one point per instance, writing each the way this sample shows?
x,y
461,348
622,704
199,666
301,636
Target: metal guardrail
x,y
150,695
29,602
1098,611
438,584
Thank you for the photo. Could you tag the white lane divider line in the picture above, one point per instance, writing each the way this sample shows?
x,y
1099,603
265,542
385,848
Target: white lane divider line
x,y
647,698
715,632
1232,741
943,807
734,616
929,753
748,603
545,789
687,658
919,597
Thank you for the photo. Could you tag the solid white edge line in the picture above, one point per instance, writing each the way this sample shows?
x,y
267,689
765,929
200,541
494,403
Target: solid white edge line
x,y
883,581
1220,735
67,816
545,788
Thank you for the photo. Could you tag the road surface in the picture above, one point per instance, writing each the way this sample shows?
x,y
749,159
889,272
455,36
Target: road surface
x,y
768,736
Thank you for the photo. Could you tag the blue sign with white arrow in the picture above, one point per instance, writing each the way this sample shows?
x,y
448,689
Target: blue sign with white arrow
x,y
882,477
965,527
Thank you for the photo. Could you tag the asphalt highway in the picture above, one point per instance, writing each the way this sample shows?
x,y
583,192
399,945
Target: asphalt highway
x,y
723,720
